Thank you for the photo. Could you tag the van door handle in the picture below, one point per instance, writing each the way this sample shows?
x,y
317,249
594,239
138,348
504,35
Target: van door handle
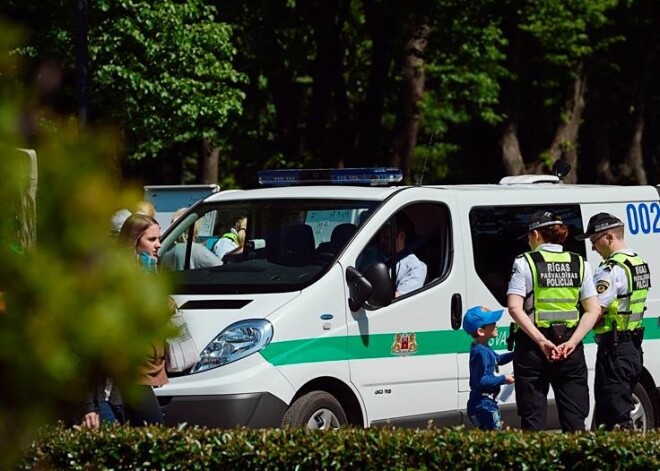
x,y
456,311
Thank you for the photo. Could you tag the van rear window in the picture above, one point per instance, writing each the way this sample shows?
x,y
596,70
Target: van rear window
x,y
495,240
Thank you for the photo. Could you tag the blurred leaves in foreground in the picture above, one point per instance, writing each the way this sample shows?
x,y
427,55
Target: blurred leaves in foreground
x,y
77,308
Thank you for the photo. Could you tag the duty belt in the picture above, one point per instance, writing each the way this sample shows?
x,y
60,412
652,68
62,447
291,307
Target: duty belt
x,y
620,336
557,333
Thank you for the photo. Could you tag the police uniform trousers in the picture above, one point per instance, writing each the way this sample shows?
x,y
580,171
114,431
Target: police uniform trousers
x,y
534,374
618,369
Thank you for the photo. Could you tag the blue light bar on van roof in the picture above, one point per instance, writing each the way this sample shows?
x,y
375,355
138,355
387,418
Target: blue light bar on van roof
x,y
377,176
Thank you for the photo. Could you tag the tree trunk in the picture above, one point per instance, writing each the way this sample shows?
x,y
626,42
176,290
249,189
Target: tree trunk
x,y
210,162
287,99
512,157
407,122
565,143
321,109
632,169
383,22
345,144
602,147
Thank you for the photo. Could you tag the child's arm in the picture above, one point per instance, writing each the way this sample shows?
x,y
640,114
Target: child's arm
x,y
504,358
489,379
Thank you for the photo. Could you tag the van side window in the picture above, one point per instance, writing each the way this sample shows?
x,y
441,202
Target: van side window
x,y
496,241
415,244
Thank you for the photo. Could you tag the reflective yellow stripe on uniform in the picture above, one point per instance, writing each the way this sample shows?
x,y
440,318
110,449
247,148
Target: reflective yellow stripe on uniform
x,y
639,282
557,278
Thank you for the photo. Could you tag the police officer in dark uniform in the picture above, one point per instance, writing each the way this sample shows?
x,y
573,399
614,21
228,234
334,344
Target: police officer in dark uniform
x,y
622,281
546,287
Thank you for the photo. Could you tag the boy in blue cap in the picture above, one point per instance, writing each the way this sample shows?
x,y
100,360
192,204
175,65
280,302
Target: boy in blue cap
x,y
481,324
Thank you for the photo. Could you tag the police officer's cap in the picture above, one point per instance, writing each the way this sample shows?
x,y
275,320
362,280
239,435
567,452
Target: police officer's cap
x,y
600,222
541,219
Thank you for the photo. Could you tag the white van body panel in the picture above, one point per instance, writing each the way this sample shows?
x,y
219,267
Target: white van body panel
x,y
205,324
317,339
307,192
250,374
405,384
309,346
593,199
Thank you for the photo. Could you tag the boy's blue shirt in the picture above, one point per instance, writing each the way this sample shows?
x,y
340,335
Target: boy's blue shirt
x,y
483,363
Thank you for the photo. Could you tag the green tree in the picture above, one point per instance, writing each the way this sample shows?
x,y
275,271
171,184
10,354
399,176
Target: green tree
x,y
371,82
558,38
464,67
161,70
340,83
621,97
76,307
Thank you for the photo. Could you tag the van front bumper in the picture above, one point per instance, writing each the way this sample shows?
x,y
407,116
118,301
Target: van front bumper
x,y
253,410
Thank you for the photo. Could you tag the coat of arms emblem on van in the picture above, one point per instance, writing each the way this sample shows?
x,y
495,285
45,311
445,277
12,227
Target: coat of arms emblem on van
x,y
404,344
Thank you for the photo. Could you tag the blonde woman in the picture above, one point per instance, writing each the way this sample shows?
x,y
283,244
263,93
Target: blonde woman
x,y
141,235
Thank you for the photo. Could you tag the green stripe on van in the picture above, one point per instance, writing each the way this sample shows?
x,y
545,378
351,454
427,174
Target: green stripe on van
x,y
357,347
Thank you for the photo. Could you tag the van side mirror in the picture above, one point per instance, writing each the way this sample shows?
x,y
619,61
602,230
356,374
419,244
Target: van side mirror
x,y
359,288
374,287
382,293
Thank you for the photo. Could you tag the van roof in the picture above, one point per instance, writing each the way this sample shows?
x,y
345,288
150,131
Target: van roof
x,y
518,192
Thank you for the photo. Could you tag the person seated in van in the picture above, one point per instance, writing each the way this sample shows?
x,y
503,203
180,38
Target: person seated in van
x,y
410,270
231,241
200,256
481,324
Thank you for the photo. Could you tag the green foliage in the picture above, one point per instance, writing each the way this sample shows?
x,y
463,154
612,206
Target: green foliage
x,y
163,70
78,308
547,158
464,70
313,73
565,28
121,448
566,33
11,92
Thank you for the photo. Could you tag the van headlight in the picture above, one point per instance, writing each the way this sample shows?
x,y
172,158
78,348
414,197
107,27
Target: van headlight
x,y
237,341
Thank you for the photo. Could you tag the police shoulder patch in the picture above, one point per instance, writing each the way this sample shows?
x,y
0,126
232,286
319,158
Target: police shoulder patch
x,y
602,286
609,264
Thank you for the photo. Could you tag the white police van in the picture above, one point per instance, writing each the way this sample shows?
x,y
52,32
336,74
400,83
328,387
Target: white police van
x,y
302,328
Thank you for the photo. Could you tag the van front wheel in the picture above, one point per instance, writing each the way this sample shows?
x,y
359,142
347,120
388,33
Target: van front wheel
x,y
316,410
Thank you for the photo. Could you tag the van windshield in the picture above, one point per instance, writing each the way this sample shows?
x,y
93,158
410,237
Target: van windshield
x,y
257,246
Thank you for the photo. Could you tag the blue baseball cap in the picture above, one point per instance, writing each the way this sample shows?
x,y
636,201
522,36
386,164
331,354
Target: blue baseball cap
x,y
479,316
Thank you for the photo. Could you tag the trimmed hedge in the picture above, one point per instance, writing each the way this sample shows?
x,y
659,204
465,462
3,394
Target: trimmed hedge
x,y
121,448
